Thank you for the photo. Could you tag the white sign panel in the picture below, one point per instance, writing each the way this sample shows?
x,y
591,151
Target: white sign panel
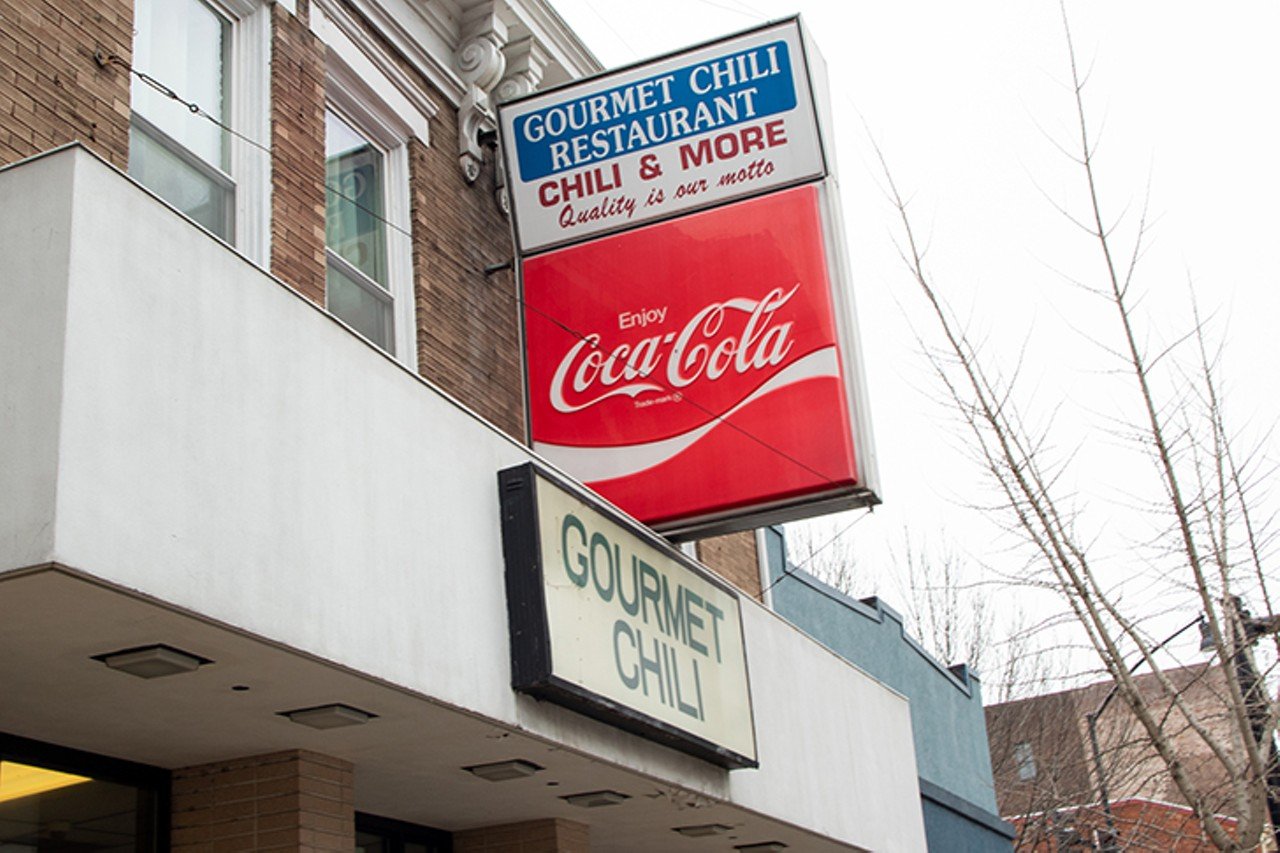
x,y
612,622
719,122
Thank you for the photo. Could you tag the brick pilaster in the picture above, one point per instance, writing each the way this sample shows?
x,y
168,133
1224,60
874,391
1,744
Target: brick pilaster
x,y
468,322
734,557
52,91
297,155
284,801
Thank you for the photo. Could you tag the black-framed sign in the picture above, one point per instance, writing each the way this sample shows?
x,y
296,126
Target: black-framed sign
x,y
611,621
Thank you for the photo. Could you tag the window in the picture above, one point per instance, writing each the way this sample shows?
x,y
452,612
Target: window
x,y
182,157
52,798
369,275
374,110
212,53
1026,761
382,835
357,286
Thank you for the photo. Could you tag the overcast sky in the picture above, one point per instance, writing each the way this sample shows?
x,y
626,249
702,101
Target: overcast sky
x,y
968,102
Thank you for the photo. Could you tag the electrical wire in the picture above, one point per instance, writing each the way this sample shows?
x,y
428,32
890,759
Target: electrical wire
x,y
635,53
789,570
197,110
193,108
737,9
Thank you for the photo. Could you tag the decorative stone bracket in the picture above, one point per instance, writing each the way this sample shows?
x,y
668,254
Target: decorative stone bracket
x,y
493,71
480,63
474,117
526,60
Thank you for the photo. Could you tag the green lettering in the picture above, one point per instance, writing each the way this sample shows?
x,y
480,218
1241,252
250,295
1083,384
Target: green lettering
x,y
651,592
716,615
693,621
651,666
674,614
571,522
633,680
632,607
599,542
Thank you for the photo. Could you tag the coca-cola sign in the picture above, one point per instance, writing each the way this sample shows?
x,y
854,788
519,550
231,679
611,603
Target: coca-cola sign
x,y
690,369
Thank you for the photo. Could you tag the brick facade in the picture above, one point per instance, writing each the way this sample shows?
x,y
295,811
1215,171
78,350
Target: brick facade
x,y
293,800
56,87
467,322
297,159
534,836
52,90
1048,781
735,558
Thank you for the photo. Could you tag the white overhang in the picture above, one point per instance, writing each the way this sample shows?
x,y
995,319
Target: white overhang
x,y
195,455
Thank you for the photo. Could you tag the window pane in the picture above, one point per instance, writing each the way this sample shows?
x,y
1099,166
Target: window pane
x,y
365,311
43,809
367,842
1025,760
354,205
183,44
193,191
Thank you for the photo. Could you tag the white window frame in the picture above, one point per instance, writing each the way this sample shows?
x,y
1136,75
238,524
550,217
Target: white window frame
x,y
250,115
358,90
247,87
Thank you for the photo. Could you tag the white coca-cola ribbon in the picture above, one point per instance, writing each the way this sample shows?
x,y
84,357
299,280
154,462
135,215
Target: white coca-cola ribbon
x,y
592,464
702,349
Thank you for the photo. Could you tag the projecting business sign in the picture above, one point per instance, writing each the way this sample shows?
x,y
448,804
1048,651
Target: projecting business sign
x,y
694,366
719,122
609,620
690,348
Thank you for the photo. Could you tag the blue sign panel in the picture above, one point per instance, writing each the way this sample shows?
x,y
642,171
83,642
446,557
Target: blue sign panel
x,y
717,93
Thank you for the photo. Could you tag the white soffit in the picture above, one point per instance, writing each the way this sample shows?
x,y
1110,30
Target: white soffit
x,y
53,620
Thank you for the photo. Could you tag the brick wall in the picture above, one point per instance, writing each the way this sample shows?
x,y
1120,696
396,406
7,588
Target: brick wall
x,y
734,558
468,323
1139,825
51,89
1061,772
535,836
1135,769
293,800
297,160
1067,774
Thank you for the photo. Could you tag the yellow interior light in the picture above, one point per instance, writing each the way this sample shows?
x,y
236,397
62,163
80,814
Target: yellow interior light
x,y
22,780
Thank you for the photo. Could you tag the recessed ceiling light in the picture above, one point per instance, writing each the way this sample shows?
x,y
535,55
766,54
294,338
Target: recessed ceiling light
x,y
333,716
154,661
702,830
595,799
762,847
501,771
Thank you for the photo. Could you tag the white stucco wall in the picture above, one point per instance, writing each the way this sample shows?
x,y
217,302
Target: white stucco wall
x,y
190,428
35,221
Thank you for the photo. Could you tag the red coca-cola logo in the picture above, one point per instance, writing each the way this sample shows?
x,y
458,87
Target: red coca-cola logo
x,y
685,364
737,335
